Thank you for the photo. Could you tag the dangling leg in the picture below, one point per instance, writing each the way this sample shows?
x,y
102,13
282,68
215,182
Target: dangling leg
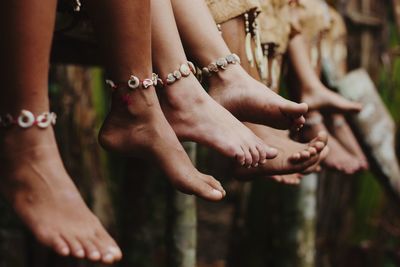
x,y
193,114
136,125
233,88
341,130
293,156
311,90
32,174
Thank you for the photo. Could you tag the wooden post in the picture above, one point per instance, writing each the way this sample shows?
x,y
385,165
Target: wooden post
x,y
184,223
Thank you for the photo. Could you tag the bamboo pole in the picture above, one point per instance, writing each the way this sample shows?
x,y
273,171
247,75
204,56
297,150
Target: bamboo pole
x,y
184,223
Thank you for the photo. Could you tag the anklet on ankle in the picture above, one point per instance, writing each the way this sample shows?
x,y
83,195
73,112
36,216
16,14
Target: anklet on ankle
x,y
26,120
184,71
134,83
221,63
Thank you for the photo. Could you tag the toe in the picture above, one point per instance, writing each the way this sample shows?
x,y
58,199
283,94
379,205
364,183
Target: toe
x,y
295,157
305,155
206,191
240,157
263,154
248,157
214,183
277,178
76,247
312,151
60,246
106,245
255,155
91,250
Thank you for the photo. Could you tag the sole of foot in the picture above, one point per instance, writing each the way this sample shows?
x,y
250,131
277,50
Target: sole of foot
x,y
323,99
251,101
293,157
195,116
338,158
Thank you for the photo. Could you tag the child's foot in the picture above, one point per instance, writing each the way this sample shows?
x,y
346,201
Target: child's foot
x,y
35,182
292,157
195,116
340,129
141,130
323,99
250,100
338,158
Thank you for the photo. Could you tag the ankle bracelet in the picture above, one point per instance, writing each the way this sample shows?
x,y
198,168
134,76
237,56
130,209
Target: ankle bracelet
x,y
184,71
27,119
221,63
134,83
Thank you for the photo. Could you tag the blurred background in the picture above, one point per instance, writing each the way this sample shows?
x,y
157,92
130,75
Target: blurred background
x,y
334,220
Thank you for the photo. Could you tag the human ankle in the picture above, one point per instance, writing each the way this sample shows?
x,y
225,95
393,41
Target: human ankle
x,y
232,74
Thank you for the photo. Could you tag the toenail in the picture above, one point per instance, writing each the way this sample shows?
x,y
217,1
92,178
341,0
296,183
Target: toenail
x,y
65,251
255,165
263,161
80,253
115,251
217,193
108,257
95,255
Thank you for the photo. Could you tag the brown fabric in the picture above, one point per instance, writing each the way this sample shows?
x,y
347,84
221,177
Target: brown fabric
x,y
314,19
334,43
224,10
274,23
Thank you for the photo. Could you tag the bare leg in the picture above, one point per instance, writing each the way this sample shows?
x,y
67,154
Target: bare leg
x,y
193,114
233,88
341,130
139,129
293,157
33,176
338,158
312,91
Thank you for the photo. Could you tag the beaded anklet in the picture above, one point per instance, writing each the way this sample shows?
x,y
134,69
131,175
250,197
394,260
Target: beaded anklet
x,y
221,63
27,119
134,83
184,71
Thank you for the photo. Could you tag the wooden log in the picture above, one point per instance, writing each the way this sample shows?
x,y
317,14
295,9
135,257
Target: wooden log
x,y
375,127
184,224
307,221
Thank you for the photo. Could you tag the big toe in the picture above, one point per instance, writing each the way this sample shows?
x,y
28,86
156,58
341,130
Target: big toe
x,y
201,188
60,246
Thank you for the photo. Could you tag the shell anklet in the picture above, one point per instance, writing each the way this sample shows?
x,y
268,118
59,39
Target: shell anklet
x,y
27,119
184,71
220,64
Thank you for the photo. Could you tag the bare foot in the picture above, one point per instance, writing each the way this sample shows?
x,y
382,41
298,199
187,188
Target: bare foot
x,y
338,158
341,130
290,179
195,116
322,99
293,157
251,101
35,182
141,130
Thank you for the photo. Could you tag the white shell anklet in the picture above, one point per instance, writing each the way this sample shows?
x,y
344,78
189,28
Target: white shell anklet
x,y
221,64
184,71
27,119
134,83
